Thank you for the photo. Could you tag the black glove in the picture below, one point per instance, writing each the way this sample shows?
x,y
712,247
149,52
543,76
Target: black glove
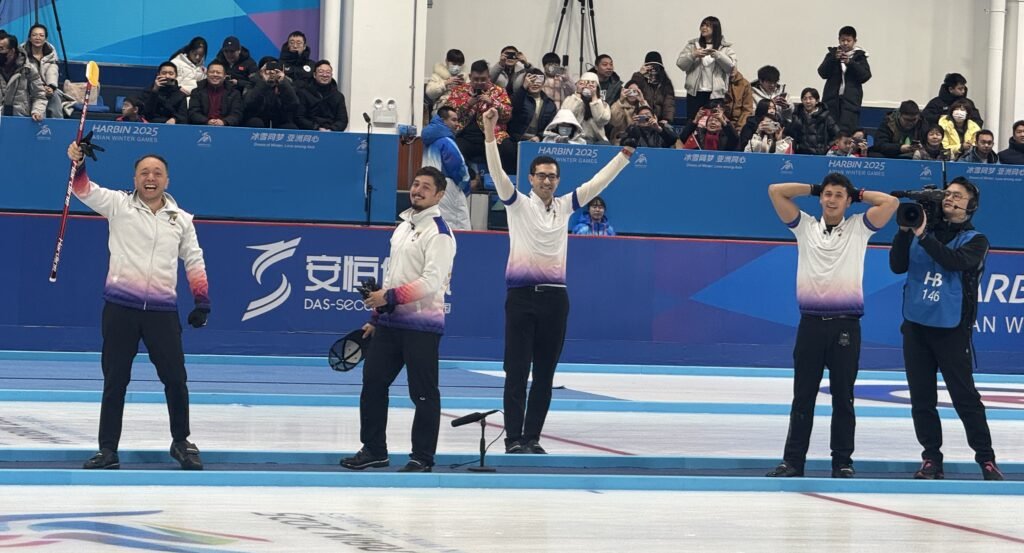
x,y
88,148
197,318
816,189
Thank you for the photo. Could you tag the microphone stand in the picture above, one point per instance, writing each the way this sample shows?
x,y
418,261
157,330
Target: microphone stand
x,y
483,450
367,187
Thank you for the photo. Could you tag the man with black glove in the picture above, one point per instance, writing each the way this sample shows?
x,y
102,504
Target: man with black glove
x,y
940,303
829,291
148,233
406,327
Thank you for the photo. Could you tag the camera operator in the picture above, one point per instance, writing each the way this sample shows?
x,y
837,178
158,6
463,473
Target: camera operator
x,y
940,303
829,291
165,102
648,132
406,327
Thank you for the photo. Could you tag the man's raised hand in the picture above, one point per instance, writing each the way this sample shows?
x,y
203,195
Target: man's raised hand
x,y
490,120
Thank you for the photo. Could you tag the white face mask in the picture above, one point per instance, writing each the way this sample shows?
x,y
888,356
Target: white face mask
x,y
565,130
454,69
959,115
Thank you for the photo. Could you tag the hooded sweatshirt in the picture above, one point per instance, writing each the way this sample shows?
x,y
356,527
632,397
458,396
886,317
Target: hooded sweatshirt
x,y
564,117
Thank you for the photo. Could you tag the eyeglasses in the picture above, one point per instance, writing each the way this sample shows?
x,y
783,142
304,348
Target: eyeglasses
x,y
545,177
956,196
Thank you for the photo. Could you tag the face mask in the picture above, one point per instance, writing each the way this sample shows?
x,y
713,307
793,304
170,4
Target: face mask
x,y
455,69
565,130
959,115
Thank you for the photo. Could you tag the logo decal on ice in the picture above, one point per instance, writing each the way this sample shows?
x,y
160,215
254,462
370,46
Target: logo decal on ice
x,y
272,253
40,529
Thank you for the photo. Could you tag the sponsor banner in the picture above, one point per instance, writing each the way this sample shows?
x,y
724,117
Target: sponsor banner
x,y
216,172
724,194
289,289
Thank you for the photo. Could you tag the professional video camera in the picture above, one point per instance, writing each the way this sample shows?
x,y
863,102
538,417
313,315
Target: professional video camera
x,y
370,285
927,201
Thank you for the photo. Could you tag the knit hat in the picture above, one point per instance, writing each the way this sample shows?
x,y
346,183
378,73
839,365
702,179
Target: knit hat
x,y
590,76
653,57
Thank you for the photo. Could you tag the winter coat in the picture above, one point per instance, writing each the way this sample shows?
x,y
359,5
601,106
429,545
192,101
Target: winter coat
x,y
728,140
165,103
722,66
813,132
610,88
768,145
589,227
659,136
662,99
22,94
501,78
890,136
739,100
441,152
436,90
263,102
523,108
927,153
1014,155
460,98
939,106
189,74
241,69
230,105
786,113
951,140
47,67
564,117
559,87
844,90
622,118
593,128
972,156
321,106
297,67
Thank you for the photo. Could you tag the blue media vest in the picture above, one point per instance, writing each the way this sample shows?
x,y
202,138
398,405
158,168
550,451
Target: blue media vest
x,y
933,295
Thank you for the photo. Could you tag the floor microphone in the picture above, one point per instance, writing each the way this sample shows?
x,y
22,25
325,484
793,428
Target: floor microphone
x,y
472,417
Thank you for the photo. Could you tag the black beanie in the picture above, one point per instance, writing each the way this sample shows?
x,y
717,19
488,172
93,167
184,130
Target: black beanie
x,y
653,57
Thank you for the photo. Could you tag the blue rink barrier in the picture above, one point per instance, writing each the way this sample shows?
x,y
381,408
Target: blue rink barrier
x,y
216,172
725,194
634,300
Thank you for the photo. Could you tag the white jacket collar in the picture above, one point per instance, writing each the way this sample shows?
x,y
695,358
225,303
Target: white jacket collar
x,y
419,217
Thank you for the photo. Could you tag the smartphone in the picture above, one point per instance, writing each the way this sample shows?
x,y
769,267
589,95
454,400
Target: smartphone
x,y
643,118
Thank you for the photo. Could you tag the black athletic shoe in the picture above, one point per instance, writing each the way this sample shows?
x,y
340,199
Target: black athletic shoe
x,y
514,446
843,471
533,446
104,459
930,470
415,466
785,470
187,455
990,471
363,459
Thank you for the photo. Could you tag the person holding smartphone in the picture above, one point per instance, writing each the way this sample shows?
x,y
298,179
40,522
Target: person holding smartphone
x,y
708,61
647,132
901,133
165,102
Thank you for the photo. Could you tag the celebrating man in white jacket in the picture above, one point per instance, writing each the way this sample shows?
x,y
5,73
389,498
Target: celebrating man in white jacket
x,y
148,233
406,328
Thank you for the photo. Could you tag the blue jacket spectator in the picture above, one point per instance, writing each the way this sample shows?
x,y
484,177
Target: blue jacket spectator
x,y
594,222
440,151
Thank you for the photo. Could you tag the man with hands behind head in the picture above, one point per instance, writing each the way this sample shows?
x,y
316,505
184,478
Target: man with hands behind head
x,y
943,263
537,304
148,233
829,278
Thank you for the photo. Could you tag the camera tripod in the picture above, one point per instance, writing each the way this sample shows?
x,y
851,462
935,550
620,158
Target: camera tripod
x,y
585,16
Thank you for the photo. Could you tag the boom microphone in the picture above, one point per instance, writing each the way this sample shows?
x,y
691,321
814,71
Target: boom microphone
x,y
472,417
366,117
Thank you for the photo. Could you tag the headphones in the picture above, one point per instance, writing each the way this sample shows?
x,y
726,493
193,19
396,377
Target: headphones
x,y
975,201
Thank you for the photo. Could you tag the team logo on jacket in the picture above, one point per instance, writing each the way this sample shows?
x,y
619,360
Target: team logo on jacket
x,y
272,253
